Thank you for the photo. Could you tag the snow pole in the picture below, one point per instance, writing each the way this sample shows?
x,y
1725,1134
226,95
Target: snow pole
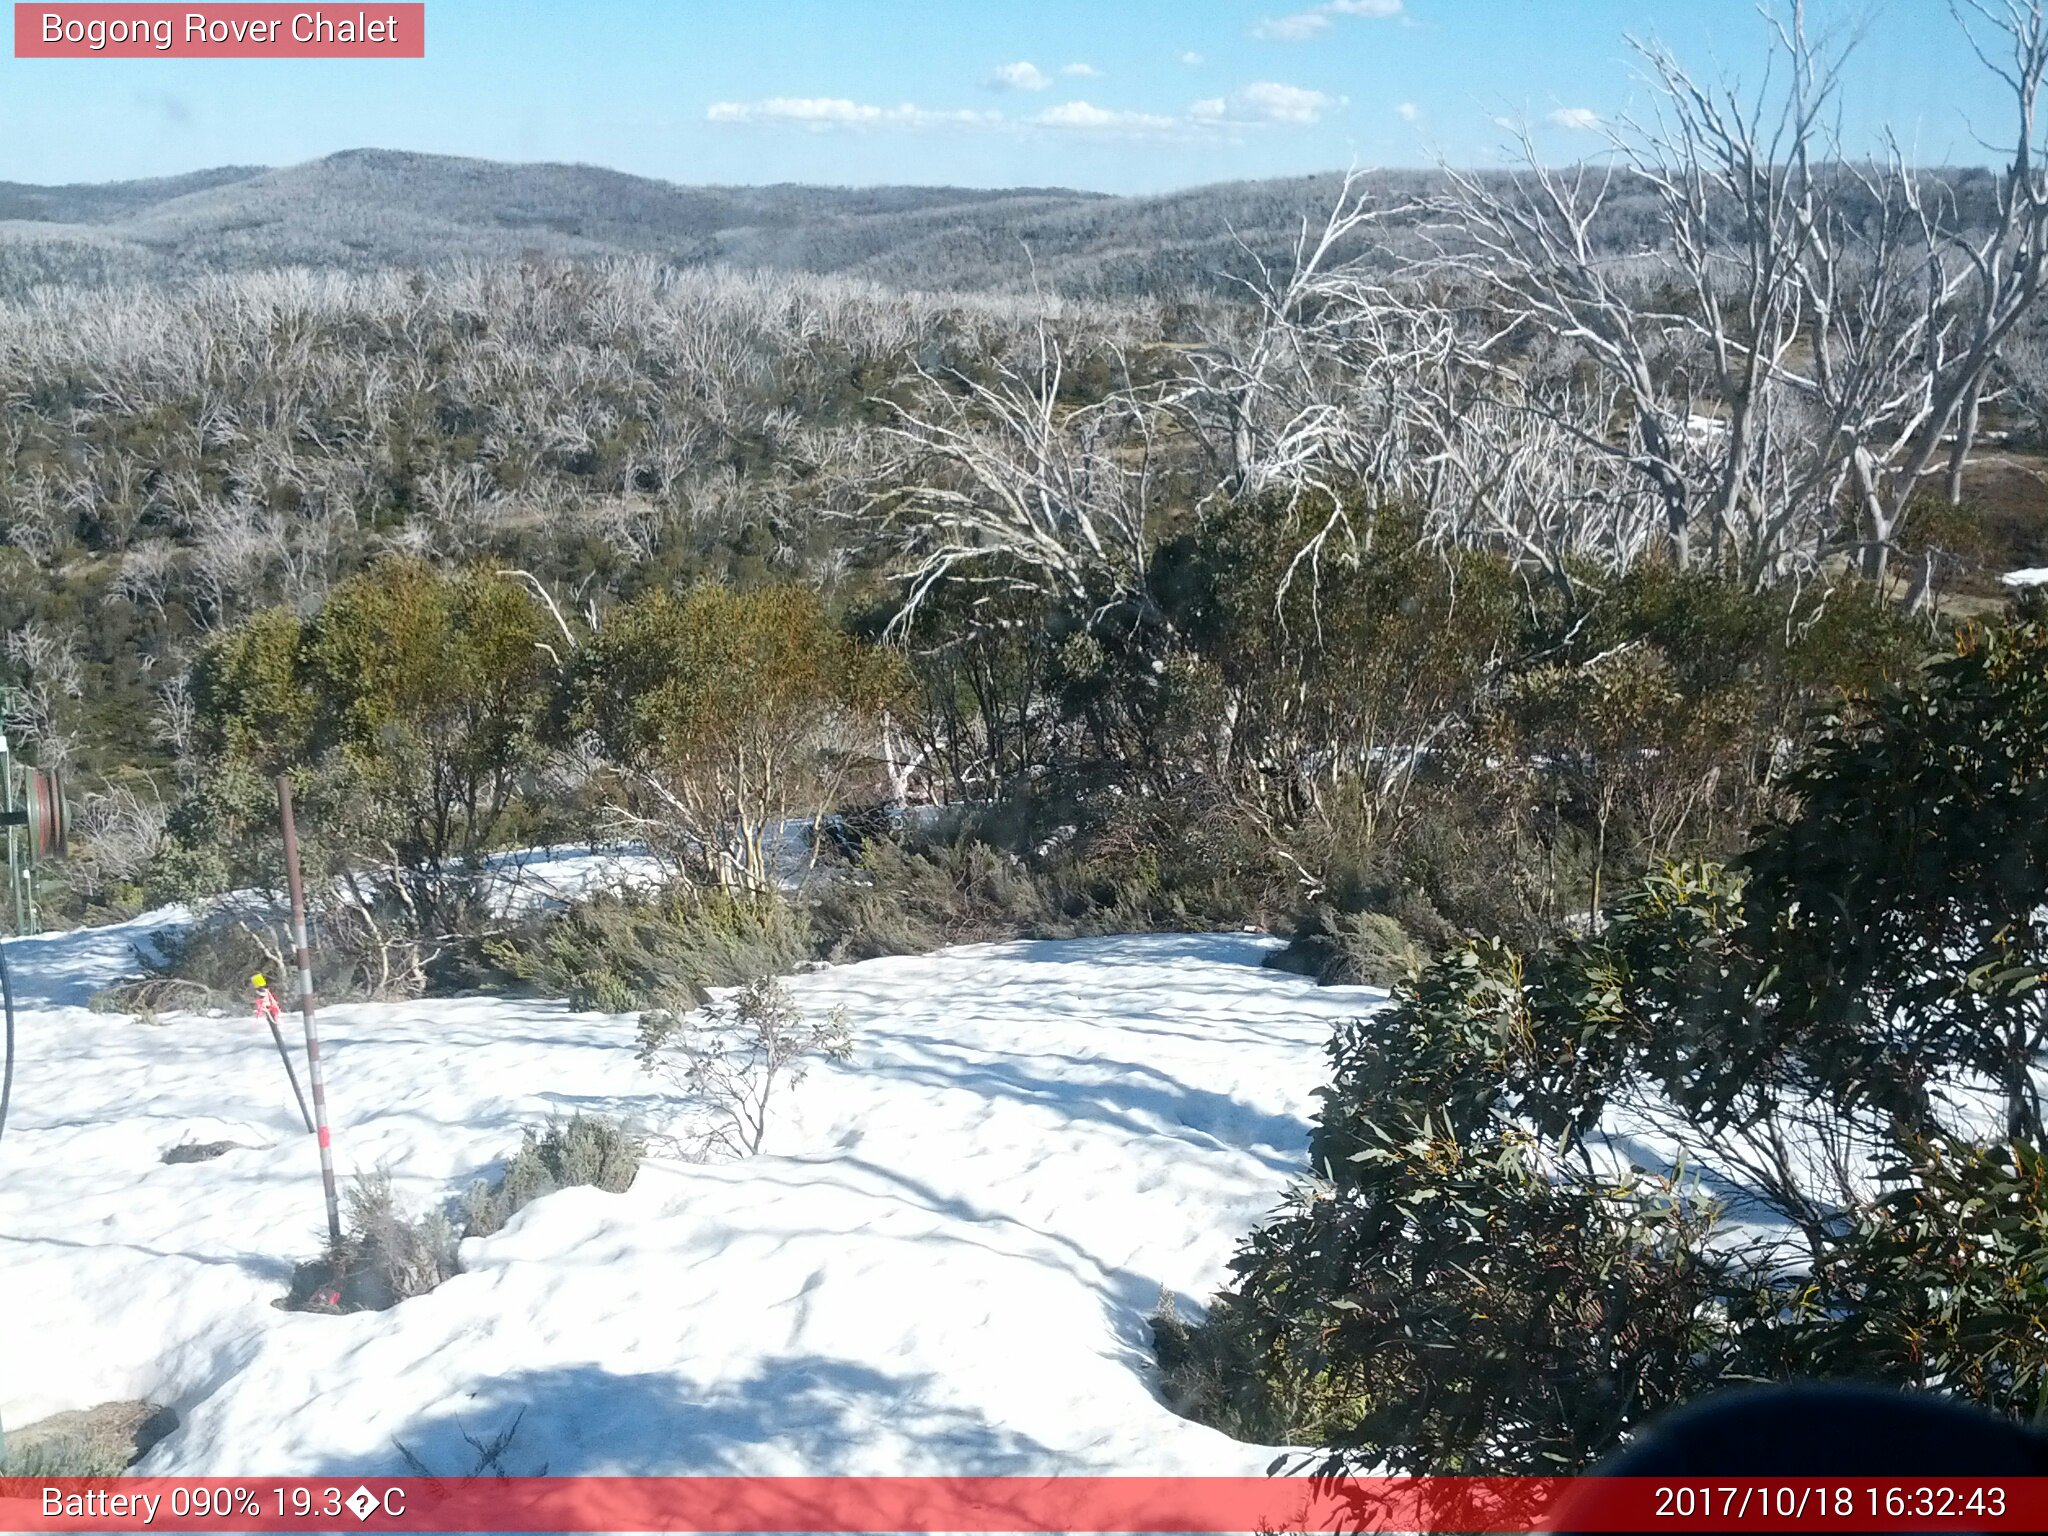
x,y
267,1011
305,963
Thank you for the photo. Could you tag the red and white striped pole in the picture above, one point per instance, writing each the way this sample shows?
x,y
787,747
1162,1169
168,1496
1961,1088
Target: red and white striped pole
x,y
305,963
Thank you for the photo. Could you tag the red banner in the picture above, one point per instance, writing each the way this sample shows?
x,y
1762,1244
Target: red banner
x,y
1020,1504
240,31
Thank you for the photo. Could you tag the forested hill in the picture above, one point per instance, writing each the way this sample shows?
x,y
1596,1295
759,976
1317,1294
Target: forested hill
x,y
370,209
375,210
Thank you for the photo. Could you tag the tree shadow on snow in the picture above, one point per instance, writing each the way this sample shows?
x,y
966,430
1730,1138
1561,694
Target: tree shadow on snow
x,y
644,1109
801,1415
1735,1200
256,1265
63,969
1126,1095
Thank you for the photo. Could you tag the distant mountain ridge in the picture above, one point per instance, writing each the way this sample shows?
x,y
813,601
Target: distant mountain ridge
x,y
364,209
368,209
106,201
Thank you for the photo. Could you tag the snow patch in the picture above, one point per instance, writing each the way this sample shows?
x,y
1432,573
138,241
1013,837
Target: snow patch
x,y
942,1262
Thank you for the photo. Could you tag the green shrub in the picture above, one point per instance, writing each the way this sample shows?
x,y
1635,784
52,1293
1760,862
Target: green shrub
x,y
724,714
207,963
587,1149
910,901
617,952
147,996
386,1255
1473,858
1351,949
1462,1290
1456,1290
1906,902
1159,868
1186,860
1326,676
101,1441
65,1456
1571,742
1223,1372
407,710
1940,1287
1449,1294
1484,1314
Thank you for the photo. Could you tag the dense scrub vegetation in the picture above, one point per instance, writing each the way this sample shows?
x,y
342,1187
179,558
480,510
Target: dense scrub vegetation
x,y
583,1151
1544,633
1844,1026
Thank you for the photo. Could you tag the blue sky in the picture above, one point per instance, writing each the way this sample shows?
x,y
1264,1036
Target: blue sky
x,y
1117,95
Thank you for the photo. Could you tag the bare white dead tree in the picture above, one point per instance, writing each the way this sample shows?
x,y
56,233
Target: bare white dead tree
x,y
118,832
229,561
2006,262
1965,285
176,717
1005,487
1806,328
146,572
36,521
1535,246
49,673
1317,386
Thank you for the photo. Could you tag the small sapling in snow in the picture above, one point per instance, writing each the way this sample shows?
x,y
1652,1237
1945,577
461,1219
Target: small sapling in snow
x,y
731,1055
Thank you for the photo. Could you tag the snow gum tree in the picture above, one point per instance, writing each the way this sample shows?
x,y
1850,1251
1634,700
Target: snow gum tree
x,y
430,689
721,715
406,708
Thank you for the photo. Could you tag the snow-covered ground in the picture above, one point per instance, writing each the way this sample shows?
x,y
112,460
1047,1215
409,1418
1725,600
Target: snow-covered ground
x,y
532,878
537,877
942,1262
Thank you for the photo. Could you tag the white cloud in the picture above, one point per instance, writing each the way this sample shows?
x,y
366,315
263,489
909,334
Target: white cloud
x,y
1408,112
1020,76
1316,20
1189,56
1086,117
823,113
1271,102
1292,29
826,114
1577,119
1080,71
1265,104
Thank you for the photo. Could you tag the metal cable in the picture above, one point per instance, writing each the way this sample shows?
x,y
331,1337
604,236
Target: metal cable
x,y
6,1072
